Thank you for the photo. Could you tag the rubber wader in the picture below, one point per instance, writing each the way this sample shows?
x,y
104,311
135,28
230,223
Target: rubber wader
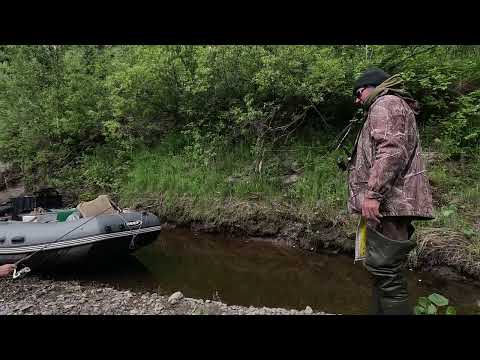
x,y
385,260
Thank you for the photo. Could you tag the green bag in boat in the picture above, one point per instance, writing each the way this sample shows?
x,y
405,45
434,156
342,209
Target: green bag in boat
x,y
64,214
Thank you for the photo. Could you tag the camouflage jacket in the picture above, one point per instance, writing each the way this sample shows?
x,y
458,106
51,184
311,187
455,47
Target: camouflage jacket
x,y
387,163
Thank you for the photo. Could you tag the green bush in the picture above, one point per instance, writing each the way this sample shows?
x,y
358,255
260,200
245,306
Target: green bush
x,y
461,129
58,104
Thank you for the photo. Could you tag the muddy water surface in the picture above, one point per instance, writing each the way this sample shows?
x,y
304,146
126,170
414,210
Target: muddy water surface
x,y
246,272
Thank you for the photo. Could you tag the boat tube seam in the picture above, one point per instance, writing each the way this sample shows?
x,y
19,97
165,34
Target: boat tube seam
x,y
76,242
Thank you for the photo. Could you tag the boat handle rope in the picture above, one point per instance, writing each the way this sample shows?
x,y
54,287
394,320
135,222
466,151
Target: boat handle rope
x,y
19,274
131,246
26,269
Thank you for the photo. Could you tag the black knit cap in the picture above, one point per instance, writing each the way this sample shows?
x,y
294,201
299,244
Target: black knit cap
x,y
372,77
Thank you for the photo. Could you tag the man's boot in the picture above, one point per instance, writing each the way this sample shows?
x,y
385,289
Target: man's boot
x,y
375,305
385,260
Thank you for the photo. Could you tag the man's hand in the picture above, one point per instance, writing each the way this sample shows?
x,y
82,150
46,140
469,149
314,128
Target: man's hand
x,y
370,209
6,269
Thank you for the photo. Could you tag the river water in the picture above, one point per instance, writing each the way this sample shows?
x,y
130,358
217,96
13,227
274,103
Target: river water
x,y
247,272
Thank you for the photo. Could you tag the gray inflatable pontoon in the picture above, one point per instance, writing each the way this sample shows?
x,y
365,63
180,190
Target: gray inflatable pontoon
x,y
52,243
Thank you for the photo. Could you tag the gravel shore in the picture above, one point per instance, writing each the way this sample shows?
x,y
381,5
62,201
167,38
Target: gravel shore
x,y
34,296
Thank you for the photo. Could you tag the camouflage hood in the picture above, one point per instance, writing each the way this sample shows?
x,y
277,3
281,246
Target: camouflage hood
x,y
392,86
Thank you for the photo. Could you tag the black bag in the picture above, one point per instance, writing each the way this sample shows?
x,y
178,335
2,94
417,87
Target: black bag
x,y
48,198
22,204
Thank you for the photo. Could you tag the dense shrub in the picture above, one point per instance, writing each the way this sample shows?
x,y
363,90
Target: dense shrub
x,y
61,106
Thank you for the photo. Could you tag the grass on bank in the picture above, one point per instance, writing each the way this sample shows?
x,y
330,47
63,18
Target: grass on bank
x,y
453,237
457,188
317,185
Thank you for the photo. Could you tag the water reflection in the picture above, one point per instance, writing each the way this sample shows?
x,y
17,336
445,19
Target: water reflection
x,y
259,274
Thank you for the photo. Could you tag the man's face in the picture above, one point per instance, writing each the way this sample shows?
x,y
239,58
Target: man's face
x,y
362,94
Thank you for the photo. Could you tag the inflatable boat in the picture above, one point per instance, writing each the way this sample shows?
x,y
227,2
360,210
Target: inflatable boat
x,y
46,241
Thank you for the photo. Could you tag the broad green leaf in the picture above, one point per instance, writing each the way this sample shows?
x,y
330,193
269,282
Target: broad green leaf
x,y
450,311
431,310
438,299
447,212
469,232
471,136
423,301
419,310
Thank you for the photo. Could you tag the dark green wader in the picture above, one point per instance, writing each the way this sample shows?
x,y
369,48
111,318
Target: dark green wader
x,y
385,260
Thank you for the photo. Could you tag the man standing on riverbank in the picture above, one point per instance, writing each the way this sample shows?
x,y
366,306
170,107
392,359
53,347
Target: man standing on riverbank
x,y
388,184
6,270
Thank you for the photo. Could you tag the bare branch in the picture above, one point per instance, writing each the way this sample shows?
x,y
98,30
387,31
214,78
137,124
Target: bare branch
x,y
319,113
